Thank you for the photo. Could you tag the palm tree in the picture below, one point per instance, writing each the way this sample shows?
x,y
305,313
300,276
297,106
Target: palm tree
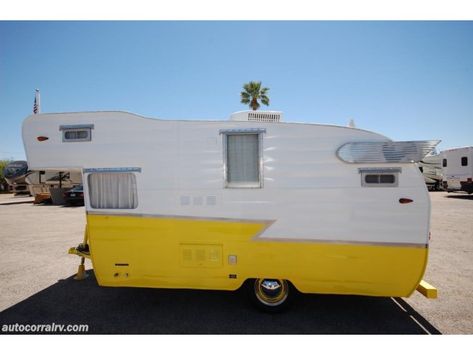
x,y
252,93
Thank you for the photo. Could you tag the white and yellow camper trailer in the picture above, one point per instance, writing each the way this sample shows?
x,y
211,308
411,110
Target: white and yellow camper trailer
x,y
212,204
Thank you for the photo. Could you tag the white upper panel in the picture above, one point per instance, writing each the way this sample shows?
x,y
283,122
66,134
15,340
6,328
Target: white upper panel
x,y
307,190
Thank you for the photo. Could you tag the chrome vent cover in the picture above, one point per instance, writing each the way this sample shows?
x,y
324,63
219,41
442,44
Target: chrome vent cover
x,y
386,152
257,116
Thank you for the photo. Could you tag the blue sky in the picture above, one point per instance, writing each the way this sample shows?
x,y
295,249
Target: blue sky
x,y
406,80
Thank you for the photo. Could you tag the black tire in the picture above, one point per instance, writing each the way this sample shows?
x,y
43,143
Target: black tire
x,y
270,295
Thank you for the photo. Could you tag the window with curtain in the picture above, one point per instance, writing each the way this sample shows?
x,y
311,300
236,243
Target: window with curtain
x,y
243,160
113,190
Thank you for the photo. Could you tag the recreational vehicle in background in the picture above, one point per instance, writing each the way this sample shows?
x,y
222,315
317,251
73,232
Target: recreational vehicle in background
x,y
457,166
252,201
15,174
431,168
23,180
51,184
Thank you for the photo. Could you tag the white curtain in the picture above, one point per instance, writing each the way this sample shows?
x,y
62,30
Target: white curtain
x,y
113,190
242,158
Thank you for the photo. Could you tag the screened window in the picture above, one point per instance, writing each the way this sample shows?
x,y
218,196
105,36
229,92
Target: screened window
x,y
379,179
464,161
243,160
113,190
444,163
372,179
77,133
387,179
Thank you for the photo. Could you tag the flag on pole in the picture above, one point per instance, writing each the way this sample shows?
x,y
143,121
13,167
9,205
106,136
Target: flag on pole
x,y
37,103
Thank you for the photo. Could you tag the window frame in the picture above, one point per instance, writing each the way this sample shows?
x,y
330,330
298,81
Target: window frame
x,y
465,158
249,131
379,172
75,128
88,190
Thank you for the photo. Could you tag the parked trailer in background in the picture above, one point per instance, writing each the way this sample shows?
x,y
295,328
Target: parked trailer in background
x,y
15,174
51,184
248,201
431,168
457,167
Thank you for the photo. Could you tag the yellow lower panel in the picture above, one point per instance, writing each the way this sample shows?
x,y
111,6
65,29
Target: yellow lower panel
x,y
222,254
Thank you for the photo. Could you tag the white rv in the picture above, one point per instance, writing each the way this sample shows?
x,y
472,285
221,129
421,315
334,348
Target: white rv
x,y
431,168
247,201
457,166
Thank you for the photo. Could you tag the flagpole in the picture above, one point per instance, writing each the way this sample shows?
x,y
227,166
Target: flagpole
x,y
37,102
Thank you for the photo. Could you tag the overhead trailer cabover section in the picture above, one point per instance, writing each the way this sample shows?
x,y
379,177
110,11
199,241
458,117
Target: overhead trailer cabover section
x,y
211,204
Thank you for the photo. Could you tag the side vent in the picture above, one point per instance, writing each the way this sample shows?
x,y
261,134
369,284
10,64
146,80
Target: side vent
x,y
257,116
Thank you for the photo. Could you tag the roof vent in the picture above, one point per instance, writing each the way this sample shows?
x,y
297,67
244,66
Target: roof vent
x,y
257,116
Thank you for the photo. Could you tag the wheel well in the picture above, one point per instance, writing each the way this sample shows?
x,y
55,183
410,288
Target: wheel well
x,y
250,280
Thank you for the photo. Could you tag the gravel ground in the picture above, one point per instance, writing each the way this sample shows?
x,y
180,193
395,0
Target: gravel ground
x,y
450,266
37,286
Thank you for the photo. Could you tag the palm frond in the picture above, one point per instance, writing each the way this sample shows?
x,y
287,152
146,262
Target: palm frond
x,y
253,93
264,91
265,100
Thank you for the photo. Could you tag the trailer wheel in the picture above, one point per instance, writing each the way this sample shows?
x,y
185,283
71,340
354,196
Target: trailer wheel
x,y
270,295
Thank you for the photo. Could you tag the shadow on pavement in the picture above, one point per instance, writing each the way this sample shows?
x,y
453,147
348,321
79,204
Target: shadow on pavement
x,y
159,311
460,196
9,203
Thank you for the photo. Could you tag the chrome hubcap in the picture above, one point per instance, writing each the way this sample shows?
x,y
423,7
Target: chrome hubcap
x,y
271,292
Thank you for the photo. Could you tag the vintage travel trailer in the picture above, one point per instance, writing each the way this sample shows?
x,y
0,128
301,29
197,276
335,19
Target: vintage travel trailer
x,y
457,167
251,201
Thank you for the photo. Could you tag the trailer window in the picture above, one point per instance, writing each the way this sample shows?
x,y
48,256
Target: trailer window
x,y
242,160
464,161
379,180
444,163
77,133
113,190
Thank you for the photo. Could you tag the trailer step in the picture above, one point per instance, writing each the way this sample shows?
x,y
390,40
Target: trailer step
x,y
427,290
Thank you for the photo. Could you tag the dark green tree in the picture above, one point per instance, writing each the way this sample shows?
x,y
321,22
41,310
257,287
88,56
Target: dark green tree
x,y
253,94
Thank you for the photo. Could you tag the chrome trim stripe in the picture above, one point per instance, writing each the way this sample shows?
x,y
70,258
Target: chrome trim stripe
x,y
76,126
242,130
146,215
257,237
346,242
113,170
380,170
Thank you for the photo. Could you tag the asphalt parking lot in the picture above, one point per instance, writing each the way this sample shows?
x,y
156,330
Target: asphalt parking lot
x,y
37,286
